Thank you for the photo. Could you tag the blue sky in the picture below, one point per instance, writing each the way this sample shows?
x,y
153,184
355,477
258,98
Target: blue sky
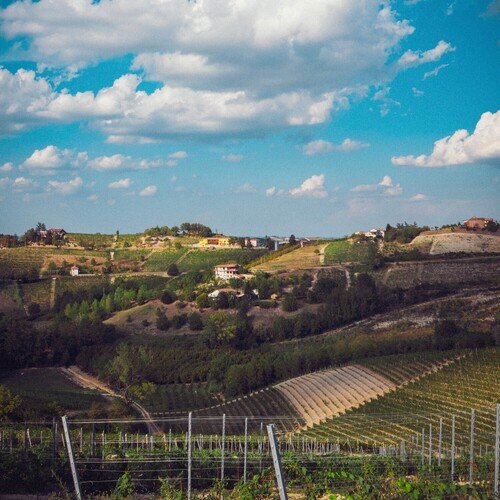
x,y
253,117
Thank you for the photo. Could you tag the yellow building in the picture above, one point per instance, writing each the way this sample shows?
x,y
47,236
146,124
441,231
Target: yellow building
x,y
215,241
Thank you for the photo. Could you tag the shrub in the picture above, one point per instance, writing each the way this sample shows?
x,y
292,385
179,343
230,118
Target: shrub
x,y
145,323
173,270
167,297
34,310
162,322
195,321
179,320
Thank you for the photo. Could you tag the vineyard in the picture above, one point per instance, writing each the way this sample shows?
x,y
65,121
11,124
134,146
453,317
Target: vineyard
x,y
342,251
469,382
180,398
207,259
159,260
20,262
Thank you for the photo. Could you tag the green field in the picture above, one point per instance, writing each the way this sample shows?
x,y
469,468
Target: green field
x,y
206,259
160,260
341,251
469,383
180,398
50,385
18,262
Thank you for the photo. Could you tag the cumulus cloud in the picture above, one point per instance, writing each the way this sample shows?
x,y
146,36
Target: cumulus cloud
x,y
66,188
313,187
122,162
120,184
413,58
51,158
7,167
148,191
232,158
23,184
314,57
271,191
321,146
419,197
386,186
460,148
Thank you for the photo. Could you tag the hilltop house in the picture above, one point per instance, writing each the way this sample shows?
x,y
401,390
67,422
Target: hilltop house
x,y
374,234
214,241
255,242
74,271
478,223
54,232
225,272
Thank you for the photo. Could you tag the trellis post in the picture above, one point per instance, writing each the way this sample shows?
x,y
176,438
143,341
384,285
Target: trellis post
x,y
440,440
245,450
222,446
190,415
71,458
497,451
452,448
471,450
280,479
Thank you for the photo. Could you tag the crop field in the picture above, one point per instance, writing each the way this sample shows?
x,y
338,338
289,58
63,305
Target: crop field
x,y
159,260
18,262
199,260
308,257
11,298
341,251
471,382
37,291
50,385
179,398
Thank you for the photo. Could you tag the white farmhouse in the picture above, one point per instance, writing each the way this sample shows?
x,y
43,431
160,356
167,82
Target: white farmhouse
x,y
225,272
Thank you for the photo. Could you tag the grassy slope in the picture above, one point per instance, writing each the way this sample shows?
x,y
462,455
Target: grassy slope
x,y
302,258
206,259
47,385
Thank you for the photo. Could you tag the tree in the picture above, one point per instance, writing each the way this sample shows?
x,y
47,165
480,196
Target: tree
x,y
220,329
34,310
173,270
195,321
168,297
162,322
289,303
292,240
445,333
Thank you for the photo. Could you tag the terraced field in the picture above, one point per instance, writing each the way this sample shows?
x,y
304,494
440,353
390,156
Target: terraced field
x,y
341,251
473,381
483,271
37,291
311,399
18,262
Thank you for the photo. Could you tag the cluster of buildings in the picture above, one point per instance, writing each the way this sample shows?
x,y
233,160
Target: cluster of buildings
x,y
54,232
475,223
374,234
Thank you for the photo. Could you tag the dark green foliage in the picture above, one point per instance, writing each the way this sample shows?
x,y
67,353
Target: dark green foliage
x,y
179,320
173,270
34,310
162,322
289,303
403,233
167,297
195,321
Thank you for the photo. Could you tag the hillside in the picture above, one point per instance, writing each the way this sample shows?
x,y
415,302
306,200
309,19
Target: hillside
x,y
307,400
308,257
437,243
469,382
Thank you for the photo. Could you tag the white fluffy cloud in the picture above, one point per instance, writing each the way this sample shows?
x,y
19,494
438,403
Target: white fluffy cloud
x,y
7,167
419,197
148,191
313,187
51,158
482,146
178,155
19,184
120,184
66,187
271,191
312,57
232,158
321,146
386,186
413,58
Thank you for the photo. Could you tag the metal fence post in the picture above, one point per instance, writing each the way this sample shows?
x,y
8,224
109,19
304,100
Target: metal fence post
x,y
222,446
471,451
430,445
280,479
440,440
497,451
71,458
452,448
245,451
189,455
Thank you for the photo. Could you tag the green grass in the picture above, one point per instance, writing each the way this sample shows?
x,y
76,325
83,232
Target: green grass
x,y
180,397
206,259
47,385
343,251
471,382
160,260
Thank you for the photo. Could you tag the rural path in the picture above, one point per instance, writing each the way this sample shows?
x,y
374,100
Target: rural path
x,y
90,382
